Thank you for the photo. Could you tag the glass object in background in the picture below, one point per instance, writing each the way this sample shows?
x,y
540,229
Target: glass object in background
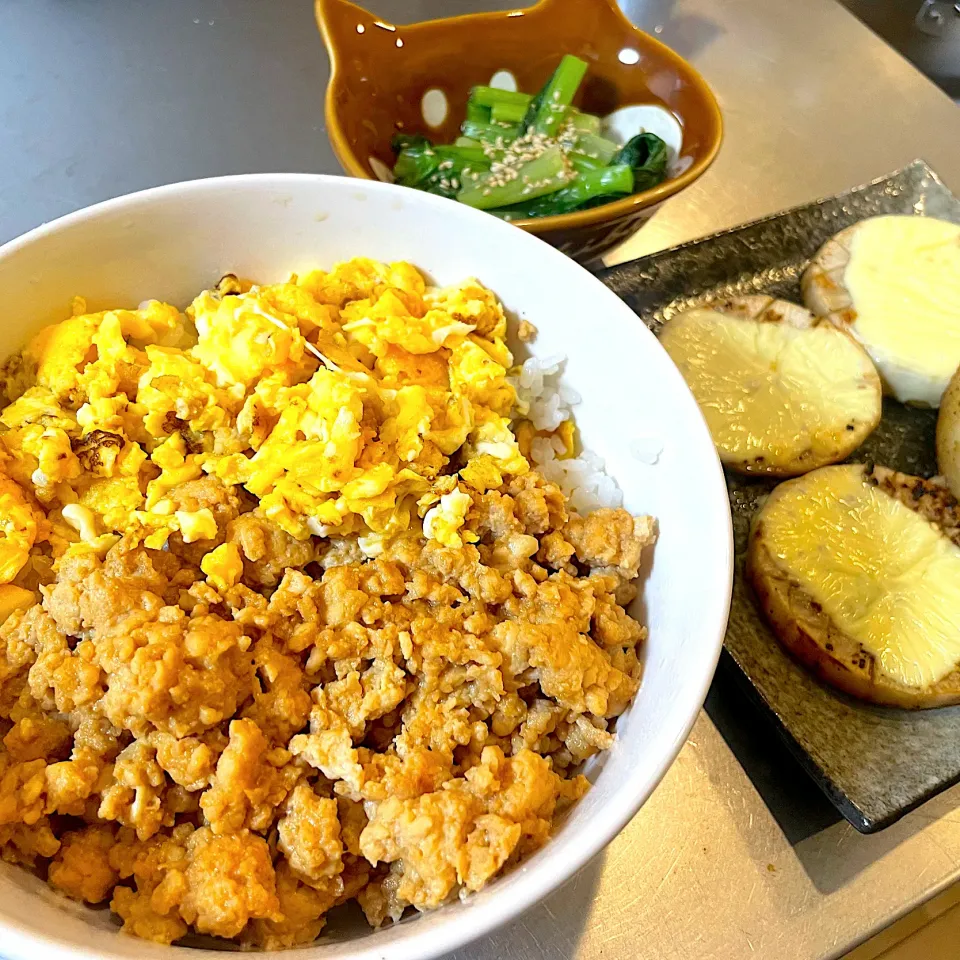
x,y
927,34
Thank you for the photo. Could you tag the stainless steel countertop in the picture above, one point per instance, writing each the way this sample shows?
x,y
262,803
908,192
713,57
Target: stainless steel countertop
x,y
736,855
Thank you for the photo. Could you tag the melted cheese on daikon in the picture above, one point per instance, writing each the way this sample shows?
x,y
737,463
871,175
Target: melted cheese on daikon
x,y
882,573
904,280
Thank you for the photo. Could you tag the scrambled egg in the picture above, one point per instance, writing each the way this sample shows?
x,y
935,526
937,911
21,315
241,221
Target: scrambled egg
x,y
339,399
20,523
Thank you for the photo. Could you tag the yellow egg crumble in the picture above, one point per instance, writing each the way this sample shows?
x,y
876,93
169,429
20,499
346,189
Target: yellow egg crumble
x,y
337,399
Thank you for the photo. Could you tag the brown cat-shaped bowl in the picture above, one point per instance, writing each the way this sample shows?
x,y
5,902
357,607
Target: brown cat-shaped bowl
x,y
379,73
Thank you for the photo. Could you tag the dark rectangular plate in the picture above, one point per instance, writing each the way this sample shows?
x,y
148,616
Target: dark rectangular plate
x,y
875,764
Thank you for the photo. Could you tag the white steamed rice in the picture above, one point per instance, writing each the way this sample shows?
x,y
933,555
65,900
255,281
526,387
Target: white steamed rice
x,y
543,400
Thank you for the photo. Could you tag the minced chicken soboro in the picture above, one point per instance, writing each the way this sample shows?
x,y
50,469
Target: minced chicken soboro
x,y
290,619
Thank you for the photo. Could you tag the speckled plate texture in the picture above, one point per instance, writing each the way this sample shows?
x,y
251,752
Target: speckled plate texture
x,y
874,763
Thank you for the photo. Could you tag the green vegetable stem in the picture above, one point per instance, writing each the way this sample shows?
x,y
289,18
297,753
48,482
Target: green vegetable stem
x,y
548,109
591,186
545,174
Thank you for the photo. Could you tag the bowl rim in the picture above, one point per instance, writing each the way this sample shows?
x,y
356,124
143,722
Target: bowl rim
x,y
537,225
21,942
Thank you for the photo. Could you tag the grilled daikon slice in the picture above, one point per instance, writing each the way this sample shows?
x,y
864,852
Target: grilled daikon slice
x,y
782,391
948,435
858,571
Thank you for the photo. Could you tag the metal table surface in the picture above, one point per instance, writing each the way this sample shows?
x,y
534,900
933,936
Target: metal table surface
x,y
736,855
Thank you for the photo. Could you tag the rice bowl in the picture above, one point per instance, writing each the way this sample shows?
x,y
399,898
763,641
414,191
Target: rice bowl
x,y
187,233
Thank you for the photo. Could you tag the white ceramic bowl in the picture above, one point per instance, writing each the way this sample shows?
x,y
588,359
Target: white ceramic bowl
x,y
173,241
